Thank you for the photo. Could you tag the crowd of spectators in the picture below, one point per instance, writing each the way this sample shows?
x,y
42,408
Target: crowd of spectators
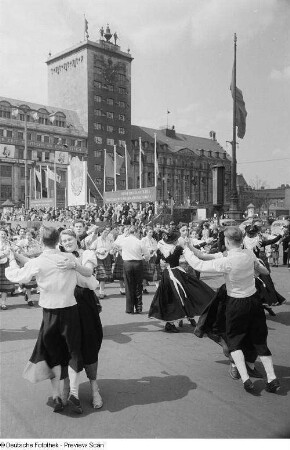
x,y
122,214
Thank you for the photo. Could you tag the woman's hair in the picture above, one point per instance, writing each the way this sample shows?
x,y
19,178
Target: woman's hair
x,y
68,232
49,236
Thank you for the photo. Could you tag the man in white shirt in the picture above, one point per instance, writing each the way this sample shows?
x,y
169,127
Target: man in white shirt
x,y
59,340
245,317
133,253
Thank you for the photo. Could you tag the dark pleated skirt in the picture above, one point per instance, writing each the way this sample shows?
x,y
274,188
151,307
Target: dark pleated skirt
x,y
104,269
151,270
91,336
267,291
5,284
91,326
118,272
58,344
168,305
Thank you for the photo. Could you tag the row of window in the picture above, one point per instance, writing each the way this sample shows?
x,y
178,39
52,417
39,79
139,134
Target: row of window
x,y
6,172
109,128
109,141
34,116
109,115
109,101
119,76
41,138
109,87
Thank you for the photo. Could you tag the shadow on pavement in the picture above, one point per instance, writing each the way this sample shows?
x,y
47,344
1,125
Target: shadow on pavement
x,y
119,394
116,332
18,334
281,317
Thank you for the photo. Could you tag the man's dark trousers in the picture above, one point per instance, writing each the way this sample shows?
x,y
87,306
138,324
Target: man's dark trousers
x,y
133,277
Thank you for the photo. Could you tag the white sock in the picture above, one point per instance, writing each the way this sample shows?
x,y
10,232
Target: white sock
x,y
55,382
269,368
239,361
74,382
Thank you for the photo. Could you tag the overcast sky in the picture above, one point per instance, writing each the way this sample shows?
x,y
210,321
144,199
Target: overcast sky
x,y
183,56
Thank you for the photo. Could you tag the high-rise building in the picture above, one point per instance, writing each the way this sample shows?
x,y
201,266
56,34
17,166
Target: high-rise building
x,y
94,79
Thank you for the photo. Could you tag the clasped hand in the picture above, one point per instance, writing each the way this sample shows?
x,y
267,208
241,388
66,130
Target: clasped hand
x,y
66,264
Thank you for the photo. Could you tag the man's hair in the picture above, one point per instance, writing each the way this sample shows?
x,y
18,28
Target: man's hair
x,y
234,234
132,229
49,236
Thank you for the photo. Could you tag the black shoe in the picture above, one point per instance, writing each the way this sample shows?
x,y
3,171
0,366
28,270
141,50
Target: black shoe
x,y
234,373
273,386
192,322
138,311
30,303
75,404
254,373
57,404
129,312
249,386
171,328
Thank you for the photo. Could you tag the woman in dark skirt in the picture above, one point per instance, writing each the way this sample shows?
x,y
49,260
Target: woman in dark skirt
x,y
103,248
151,270
5,251
91,326
255,241
179,294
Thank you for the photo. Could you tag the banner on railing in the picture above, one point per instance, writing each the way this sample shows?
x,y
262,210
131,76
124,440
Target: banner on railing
x,y
143,195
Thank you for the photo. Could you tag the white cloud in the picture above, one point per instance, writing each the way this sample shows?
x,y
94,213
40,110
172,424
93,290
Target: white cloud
x,y
280,75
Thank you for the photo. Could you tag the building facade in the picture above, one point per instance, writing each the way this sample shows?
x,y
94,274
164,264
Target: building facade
x,y
185,166
94,79
51,132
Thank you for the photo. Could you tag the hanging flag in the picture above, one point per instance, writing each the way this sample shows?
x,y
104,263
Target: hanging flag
x,y
157,167
119,163
109,169
53,176
241,112
37,181
44,183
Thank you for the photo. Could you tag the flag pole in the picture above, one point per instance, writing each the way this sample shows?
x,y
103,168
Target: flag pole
x,y
30,185
155,170
234,194
140,163
105,162
126,167
34,180
115,168
54,184
40,167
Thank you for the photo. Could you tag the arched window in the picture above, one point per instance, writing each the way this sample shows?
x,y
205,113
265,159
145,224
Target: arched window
x,y
5,110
